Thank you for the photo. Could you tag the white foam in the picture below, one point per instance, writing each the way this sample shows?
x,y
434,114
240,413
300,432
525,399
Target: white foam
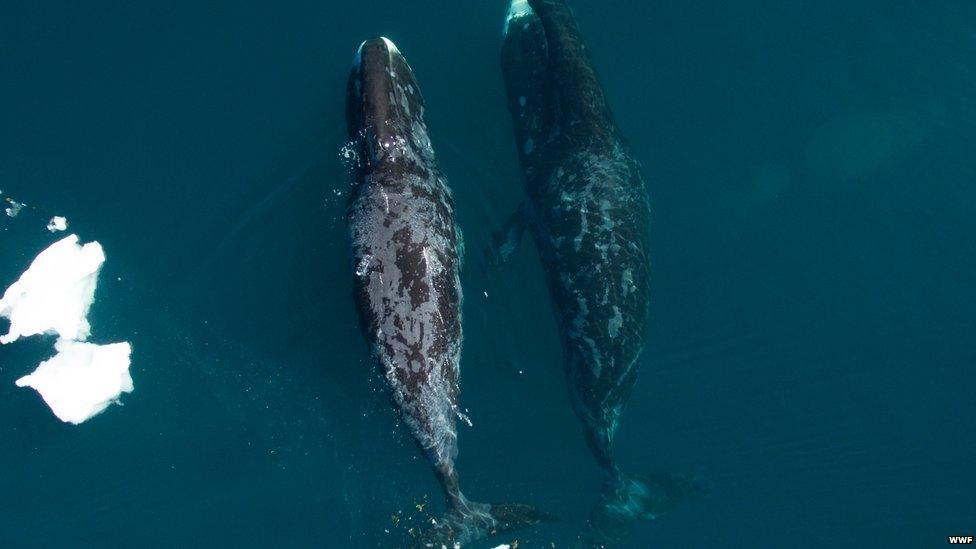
x,y
57,223
518,8
82,379
55,293
358,58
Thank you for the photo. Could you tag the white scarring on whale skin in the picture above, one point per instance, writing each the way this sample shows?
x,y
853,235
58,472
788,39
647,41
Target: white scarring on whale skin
x,y
605,335
405,331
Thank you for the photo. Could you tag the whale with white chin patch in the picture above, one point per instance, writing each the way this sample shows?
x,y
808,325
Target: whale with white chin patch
x,y
405,248
588,210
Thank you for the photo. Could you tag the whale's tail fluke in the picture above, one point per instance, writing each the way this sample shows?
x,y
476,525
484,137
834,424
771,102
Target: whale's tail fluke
x,y
468,521
628,499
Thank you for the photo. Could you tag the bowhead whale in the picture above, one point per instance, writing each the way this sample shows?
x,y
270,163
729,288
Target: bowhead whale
x,y
407,289
588,210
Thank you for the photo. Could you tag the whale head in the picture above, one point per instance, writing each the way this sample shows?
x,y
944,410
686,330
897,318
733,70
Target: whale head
x,y
517,9
385,109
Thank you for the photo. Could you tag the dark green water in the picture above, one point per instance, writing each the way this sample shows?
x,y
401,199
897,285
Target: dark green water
x,y
811,168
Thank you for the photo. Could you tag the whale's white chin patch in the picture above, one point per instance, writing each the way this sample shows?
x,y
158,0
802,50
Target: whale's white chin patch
x,y
389,45
390,48
517,9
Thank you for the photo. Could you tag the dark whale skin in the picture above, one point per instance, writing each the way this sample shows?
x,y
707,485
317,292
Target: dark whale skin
x,y
406,250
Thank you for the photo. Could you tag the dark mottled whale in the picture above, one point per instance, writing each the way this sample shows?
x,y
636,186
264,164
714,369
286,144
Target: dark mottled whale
x,y
589,213
405,248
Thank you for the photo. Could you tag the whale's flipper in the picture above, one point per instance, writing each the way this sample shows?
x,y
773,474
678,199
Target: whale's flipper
x,y
470,521
506,240
627,499
462,250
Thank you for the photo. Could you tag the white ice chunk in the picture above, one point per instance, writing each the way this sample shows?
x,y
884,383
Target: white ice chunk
x,y
54,294
82,379
14,208
57,223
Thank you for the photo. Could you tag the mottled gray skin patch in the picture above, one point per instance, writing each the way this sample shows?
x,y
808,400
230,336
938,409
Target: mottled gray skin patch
x,y
592,235
590,214
405,253
406,249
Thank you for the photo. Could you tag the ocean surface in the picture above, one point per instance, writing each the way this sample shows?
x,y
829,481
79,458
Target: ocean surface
x,y
812,172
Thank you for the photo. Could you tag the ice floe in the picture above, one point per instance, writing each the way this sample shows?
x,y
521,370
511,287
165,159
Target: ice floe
x,y
82,379
53,297
57,223
55,293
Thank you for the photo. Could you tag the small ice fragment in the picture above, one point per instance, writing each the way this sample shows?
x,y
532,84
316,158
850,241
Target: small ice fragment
x,y
83,379
55,292
14,208
57,223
